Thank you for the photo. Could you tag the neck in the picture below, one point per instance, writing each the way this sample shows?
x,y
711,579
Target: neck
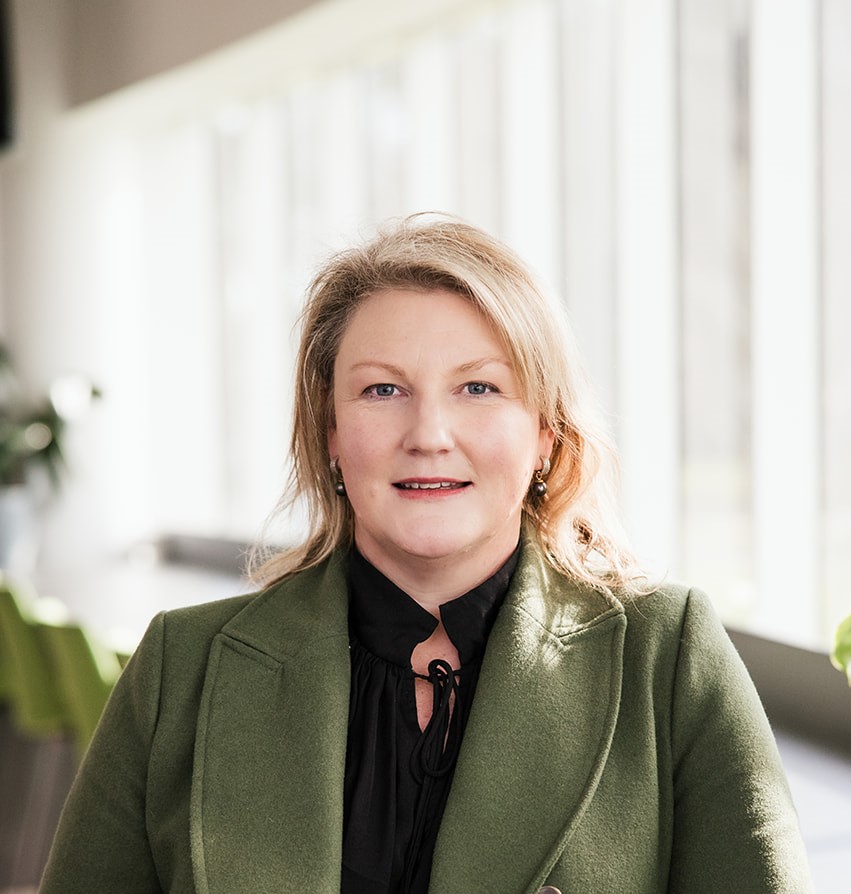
x,y
433,581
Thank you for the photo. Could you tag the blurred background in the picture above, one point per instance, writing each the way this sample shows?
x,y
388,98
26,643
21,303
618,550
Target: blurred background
x,y
677,171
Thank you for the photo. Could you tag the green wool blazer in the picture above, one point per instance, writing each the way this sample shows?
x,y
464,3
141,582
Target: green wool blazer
x,y
611,747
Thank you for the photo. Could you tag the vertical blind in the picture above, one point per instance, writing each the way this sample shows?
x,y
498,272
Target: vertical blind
x,y
677,172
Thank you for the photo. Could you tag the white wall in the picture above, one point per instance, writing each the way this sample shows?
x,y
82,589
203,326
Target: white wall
x,y
65,52
67,278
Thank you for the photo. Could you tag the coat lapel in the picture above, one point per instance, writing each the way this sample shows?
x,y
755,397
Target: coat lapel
x,y
537,738
267,816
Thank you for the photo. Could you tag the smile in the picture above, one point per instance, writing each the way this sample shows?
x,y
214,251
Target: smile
x,y
430,485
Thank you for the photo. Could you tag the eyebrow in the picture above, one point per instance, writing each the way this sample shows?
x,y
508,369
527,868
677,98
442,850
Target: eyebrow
x,y
473,365
469,366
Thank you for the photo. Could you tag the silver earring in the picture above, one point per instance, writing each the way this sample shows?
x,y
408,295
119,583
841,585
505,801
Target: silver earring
x,y
539,486
339,484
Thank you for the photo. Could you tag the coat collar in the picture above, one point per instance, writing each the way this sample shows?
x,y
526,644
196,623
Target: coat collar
x,y
267,794
538,736
266,808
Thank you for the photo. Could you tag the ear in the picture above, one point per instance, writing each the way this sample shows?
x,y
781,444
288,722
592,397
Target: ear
x,y
546,439
332,442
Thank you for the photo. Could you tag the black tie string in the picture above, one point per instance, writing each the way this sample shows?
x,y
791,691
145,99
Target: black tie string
x,y
435,753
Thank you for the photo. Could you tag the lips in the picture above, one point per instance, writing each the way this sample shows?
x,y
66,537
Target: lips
x,y
417,484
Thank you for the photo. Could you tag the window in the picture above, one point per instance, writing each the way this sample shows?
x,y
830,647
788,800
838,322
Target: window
x,y
676,172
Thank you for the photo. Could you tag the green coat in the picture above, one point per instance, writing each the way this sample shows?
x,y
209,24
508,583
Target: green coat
x,y
611,748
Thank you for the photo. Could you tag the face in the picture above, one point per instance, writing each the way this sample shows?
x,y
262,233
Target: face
x,y
435,443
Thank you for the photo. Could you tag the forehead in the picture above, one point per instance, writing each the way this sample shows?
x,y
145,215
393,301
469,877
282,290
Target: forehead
x,y
404,318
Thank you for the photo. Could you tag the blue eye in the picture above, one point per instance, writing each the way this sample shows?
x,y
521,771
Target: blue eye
x,y
382,390
478,388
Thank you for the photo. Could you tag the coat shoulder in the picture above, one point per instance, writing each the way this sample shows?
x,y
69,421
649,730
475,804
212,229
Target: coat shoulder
x,y
278,620
188,631
667,619
665,604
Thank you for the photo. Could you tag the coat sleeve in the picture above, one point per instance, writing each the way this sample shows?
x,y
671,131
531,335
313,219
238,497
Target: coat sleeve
x,y
102,842
735,827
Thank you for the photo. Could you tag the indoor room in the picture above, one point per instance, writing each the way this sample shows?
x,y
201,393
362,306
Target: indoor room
x,y
677,175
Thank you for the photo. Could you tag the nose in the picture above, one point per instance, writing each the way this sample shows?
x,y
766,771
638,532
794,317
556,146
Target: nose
x,y
429,427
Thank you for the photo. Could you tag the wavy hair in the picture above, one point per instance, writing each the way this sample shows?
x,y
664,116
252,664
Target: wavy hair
x,y
576,522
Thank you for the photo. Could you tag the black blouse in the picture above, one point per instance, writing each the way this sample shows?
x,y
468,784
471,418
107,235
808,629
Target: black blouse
x,y
398,777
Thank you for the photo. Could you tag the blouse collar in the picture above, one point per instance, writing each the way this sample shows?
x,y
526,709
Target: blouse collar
x,y
389,623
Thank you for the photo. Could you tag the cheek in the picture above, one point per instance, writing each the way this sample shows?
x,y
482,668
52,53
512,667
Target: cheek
x,y
512,447
360,444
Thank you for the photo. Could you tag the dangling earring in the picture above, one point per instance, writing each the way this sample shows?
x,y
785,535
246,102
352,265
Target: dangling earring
x,y
539,486
339,484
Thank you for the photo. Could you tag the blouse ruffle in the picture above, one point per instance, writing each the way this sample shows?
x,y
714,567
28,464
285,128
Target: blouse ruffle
x,y
397,776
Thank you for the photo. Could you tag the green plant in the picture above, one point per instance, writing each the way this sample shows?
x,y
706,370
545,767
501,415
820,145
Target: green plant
x,y
31,431
841,656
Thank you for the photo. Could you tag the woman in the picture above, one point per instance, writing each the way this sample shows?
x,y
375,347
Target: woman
x,y
456,683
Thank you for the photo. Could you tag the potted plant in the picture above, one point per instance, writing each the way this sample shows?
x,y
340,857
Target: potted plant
x,y
31,436
841,656
30,433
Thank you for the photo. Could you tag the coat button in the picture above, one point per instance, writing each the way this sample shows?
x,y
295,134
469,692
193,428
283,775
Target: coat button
x,y
549,889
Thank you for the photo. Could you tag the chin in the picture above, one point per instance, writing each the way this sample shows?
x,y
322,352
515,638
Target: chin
x,y
431,541
438,547
446,542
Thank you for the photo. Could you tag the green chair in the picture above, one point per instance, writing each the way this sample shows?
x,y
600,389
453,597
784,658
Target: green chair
x,y
37,708
84,674
6,687
5,674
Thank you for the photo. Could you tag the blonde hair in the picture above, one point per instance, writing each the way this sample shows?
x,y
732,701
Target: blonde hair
x,y
576,522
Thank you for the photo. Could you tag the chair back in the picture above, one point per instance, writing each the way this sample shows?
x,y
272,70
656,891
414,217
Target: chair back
x,y
5,674
85,672
36,706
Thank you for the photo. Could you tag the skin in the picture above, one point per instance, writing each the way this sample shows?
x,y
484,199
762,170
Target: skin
x,y
424,395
